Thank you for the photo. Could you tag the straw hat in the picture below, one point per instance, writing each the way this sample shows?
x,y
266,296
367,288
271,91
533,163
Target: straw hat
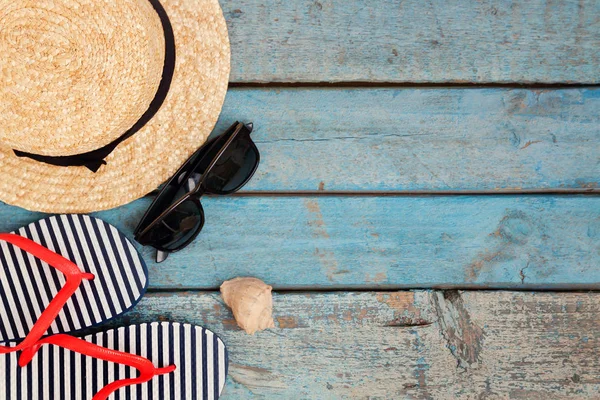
x,y
128,88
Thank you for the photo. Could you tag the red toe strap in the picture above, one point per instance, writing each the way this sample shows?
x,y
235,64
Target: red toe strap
x,y
32,343
72,273
143,365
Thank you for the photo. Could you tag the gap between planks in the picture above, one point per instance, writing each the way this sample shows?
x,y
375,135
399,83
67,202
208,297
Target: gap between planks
x,y
410,193
409,85
304,290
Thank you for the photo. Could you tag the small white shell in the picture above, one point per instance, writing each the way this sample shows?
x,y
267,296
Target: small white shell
x,y
251,301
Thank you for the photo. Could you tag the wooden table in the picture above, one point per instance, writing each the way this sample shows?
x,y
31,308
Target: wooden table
x,y
427,206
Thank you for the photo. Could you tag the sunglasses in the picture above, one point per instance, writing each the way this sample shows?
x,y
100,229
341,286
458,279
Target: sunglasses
x,y
222,166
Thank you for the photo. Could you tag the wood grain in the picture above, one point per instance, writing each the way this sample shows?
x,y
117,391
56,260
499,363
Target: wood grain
x,y
483,41
375,242
421,139
417,345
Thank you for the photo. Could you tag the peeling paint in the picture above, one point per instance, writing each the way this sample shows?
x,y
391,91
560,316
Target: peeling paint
x,y
405,312
463,337
529,143
399,301
587,184
515,231
328,262
532,343
316,221
255,378
230,324
287,322
378,278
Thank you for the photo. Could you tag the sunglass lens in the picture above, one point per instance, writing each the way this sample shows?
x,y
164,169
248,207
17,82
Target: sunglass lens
x,y
176,228
235,166
176,188
168,196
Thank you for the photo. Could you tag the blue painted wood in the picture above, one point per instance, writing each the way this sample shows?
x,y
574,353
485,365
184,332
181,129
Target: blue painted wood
x,y
414,41
421,139
377,242
403,345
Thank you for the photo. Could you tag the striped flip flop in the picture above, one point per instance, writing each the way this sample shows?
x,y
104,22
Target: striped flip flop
x,y
102,277
175,361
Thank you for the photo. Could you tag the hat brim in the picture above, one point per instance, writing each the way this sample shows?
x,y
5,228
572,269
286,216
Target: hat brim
x,y
144,161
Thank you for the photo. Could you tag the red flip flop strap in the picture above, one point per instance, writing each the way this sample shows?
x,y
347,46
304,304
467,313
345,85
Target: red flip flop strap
x,y
143,365
73,275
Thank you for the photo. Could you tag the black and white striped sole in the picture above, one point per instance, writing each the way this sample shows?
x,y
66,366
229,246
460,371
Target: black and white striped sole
x,y
27,285
56,373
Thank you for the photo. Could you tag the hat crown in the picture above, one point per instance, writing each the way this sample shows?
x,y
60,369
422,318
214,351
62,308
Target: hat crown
x,y
76,75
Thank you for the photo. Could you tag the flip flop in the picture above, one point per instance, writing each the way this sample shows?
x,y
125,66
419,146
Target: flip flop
x,y
63,274
175,362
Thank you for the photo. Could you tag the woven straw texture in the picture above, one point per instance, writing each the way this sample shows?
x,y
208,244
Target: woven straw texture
x,y
76,74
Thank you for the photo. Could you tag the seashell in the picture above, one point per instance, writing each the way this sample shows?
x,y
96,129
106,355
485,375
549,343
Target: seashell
x,y
251,301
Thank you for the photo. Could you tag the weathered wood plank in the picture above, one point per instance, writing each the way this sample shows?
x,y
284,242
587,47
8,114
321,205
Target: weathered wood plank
x,y
393,242
414,41
396,345
421,139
